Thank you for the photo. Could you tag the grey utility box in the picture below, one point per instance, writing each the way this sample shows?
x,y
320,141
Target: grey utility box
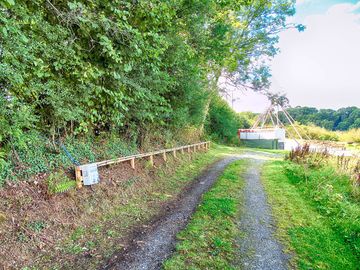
x,y
90,174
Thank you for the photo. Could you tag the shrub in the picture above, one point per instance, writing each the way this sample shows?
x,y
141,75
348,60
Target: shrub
x,y
351,136
223,122
314,133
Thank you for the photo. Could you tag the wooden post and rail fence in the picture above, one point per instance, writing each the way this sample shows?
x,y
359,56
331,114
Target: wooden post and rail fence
x,y
87,174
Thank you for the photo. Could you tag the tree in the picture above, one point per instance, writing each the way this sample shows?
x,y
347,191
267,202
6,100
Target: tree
x,y
223,122
128,66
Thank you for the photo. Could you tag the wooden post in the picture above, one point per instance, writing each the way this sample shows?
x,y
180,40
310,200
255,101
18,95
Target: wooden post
x,y
182,150
78,177
151,159
132,162
188,149
174,153
164,156
194,148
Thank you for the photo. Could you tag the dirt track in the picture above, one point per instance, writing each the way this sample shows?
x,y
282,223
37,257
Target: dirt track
x,y
154,244
258,249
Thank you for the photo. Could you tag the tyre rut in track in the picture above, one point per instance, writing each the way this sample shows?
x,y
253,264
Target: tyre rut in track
x,y
259,249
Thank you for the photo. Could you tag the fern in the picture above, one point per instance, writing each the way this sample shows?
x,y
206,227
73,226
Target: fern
x,y
64,186
59,183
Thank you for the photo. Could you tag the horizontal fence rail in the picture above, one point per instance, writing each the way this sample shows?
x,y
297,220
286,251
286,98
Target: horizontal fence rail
x,y
82,171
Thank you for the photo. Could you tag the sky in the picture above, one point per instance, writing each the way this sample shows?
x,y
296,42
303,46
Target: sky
x,y
319,67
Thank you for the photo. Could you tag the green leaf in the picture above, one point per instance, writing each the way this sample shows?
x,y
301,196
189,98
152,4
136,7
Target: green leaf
x,y
72,5
127,67
4,32
7,3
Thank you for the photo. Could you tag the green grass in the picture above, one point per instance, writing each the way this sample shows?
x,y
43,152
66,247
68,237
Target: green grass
x,y
208,242
307,223
271,151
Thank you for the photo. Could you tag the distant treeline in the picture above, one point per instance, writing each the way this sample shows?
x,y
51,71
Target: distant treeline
x,y
341,119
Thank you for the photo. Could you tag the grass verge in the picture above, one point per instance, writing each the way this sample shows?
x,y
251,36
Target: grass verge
x,y
208,242
307,223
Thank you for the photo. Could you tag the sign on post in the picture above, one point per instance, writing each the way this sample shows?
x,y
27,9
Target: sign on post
x,y
90,174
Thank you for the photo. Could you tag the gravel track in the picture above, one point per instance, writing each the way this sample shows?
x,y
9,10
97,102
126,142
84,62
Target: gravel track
x,y
153,245
258,247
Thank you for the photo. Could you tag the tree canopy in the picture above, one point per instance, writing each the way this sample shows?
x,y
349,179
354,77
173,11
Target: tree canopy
x,y
72,66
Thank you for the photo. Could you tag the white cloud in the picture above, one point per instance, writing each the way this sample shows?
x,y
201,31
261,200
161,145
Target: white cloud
x,y
321,66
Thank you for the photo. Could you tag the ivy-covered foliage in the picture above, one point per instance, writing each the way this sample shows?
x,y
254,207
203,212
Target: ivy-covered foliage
x,y
125,66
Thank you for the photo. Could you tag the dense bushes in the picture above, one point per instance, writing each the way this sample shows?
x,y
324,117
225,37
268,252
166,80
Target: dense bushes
x,y
318,133
223,122
351,136
103,64
327,125
313,132
74,68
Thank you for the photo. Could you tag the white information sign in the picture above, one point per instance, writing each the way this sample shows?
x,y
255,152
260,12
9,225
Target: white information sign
x,y
90,174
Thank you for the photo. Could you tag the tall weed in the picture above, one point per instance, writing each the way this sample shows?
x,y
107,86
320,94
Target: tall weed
x,y
307,157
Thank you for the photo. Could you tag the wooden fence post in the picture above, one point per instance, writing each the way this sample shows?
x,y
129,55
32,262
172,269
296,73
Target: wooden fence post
x,y
164,156
151,159
78,177
132,162
174,153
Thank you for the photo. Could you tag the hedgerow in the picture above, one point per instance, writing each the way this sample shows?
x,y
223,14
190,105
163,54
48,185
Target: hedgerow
x,y
74,68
